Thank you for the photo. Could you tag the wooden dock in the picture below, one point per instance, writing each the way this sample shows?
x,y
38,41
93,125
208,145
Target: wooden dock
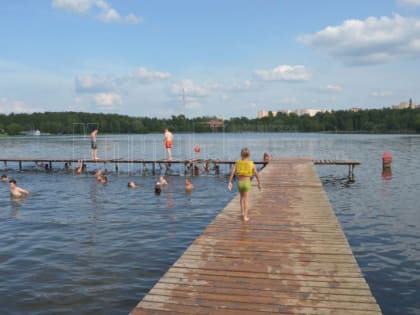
x,y
155,165
292,257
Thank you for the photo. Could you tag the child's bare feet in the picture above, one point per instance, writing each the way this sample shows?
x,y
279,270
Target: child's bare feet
x,y
246,218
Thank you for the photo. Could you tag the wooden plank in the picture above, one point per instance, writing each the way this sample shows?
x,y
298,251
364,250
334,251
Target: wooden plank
x,y
292,257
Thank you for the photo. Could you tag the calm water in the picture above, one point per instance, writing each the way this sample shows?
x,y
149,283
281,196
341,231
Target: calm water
x,y
77,247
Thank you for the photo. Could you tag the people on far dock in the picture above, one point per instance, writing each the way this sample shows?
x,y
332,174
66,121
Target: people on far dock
x,y
168,143
4,178
15,191
188,185
93,145
244,170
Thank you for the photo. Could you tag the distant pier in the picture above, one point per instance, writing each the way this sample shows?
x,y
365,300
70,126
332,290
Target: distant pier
x,y
292,257
154,165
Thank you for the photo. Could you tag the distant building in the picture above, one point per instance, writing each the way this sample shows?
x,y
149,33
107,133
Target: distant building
x,y
402,105
263,113
356,109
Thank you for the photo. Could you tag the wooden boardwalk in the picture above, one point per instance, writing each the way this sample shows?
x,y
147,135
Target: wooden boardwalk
x,y
291,257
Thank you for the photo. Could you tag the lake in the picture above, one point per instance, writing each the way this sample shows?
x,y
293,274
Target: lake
x,y
78,247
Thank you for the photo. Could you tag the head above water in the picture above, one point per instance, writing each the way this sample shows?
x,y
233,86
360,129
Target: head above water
x,y
158,189
245,153
4,178
12,181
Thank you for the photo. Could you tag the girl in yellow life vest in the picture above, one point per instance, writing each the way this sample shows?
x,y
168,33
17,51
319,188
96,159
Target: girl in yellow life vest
x,y
244,169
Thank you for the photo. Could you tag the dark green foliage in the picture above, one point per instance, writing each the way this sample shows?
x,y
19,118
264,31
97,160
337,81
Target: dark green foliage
x,y
364,121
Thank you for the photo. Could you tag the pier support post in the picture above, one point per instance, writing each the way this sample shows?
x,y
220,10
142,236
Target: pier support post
x,y
351,172
20,165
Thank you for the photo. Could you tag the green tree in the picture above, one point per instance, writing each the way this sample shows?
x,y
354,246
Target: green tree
x,y
13,129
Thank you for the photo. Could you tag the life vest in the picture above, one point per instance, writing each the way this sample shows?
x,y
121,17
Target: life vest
x,y
244,168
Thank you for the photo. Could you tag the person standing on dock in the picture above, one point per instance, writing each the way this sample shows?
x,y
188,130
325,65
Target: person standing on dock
x,y
244,169
168,143
93,144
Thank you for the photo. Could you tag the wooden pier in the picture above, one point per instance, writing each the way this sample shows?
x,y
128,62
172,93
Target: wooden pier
x,y
155,165
292,257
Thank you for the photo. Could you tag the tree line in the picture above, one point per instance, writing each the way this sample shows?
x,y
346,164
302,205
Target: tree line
x,y
364,121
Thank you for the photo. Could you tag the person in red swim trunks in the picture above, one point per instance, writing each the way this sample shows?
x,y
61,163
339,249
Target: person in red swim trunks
x,y
168,143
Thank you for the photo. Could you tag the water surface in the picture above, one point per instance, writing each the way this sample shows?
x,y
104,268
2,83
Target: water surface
x,y
78,247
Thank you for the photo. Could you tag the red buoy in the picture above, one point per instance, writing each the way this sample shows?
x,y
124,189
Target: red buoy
x,y
386,159
197,149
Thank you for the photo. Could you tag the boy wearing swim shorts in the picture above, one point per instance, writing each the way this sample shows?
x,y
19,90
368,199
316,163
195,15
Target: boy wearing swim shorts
x,y
244,169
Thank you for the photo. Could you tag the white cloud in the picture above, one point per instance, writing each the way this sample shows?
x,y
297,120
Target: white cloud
x,y
108,100
284,73
74,6
374,40
146,76
106,83
409,3
8,106
104,11
93,84
331,88
381,94
110,15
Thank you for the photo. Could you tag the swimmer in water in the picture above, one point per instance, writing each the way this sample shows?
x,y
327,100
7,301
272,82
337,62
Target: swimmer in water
x,y
132,185
15,191
158,189
102,179
162,181
4,178
79,168
188,185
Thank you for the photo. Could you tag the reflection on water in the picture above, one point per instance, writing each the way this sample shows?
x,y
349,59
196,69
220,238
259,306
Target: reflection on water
x,y
387,173
76,246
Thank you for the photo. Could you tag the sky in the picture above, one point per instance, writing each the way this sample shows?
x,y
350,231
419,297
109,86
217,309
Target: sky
x,y
224,58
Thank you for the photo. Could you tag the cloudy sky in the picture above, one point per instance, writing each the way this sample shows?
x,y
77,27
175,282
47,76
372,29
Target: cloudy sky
x,y
209,57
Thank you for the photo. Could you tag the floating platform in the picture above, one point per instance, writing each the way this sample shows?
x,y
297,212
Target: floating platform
x,y
292,257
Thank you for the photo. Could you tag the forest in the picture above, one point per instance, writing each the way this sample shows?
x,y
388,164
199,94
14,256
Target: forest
x,y
343,121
